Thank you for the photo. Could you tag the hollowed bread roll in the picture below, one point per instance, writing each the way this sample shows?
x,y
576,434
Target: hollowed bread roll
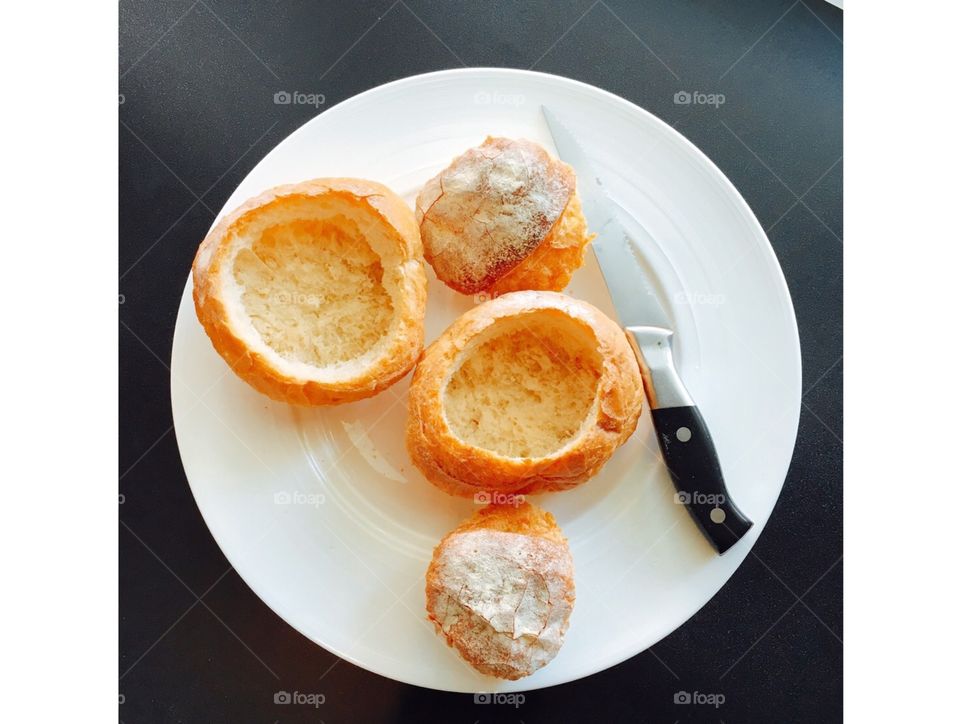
x,y
314,293
502,217
526,393
500,589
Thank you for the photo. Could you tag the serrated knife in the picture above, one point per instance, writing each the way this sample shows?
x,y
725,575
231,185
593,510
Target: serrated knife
x,y
684,439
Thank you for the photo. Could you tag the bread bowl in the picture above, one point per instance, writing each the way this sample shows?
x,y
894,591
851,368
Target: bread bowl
x,y
500,589
526,393
504,216
314,293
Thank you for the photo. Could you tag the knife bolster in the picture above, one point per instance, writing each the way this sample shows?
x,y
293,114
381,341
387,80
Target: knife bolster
x,y
654,349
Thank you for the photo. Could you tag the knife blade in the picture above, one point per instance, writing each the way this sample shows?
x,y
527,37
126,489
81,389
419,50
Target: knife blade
x,y
632,294
688,450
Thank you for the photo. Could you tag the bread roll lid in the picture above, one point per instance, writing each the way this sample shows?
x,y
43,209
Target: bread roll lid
x,y
490,209
512,589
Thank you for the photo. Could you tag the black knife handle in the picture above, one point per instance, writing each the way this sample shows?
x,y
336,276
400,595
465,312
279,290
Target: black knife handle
x,y
695,468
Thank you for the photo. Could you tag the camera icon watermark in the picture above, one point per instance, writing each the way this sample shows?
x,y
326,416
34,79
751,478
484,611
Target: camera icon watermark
x,y
495,98
286,697
514,700
698,98
298,98
697,697
497,498
685,497
299,299
481,297
700,299
285,497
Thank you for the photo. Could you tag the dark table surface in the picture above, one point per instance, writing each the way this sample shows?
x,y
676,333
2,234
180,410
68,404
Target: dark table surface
x,y
197,113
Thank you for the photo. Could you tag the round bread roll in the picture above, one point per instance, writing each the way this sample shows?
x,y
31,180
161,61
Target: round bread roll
x,y
500,589
503,217
315,293
526,393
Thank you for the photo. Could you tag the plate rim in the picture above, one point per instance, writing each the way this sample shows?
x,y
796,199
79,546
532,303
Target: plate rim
x,y
771,262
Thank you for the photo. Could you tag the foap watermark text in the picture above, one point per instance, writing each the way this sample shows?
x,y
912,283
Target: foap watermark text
x,y
700,299
296,497
514,700
495,98
695,497
299,697
496,498
699,697
299,299
298,98
698,98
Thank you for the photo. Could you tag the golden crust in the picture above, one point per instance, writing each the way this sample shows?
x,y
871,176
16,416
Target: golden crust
x,y
550,266
462,469
539,544
503,216
523,519
209,267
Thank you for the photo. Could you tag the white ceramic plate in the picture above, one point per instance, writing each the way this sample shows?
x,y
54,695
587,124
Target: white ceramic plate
x,y
321,512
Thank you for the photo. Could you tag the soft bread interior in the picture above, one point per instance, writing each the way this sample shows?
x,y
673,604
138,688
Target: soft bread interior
x,y
525,387
314,283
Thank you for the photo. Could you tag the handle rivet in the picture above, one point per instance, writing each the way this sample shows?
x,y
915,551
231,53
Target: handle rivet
x,y
717,515
684,434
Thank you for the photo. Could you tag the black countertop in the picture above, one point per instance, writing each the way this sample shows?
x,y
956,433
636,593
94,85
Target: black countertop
x,y
197,113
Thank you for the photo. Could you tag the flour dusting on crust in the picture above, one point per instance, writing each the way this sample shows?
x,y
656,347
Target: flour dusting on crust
x,y
503,600
490,209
